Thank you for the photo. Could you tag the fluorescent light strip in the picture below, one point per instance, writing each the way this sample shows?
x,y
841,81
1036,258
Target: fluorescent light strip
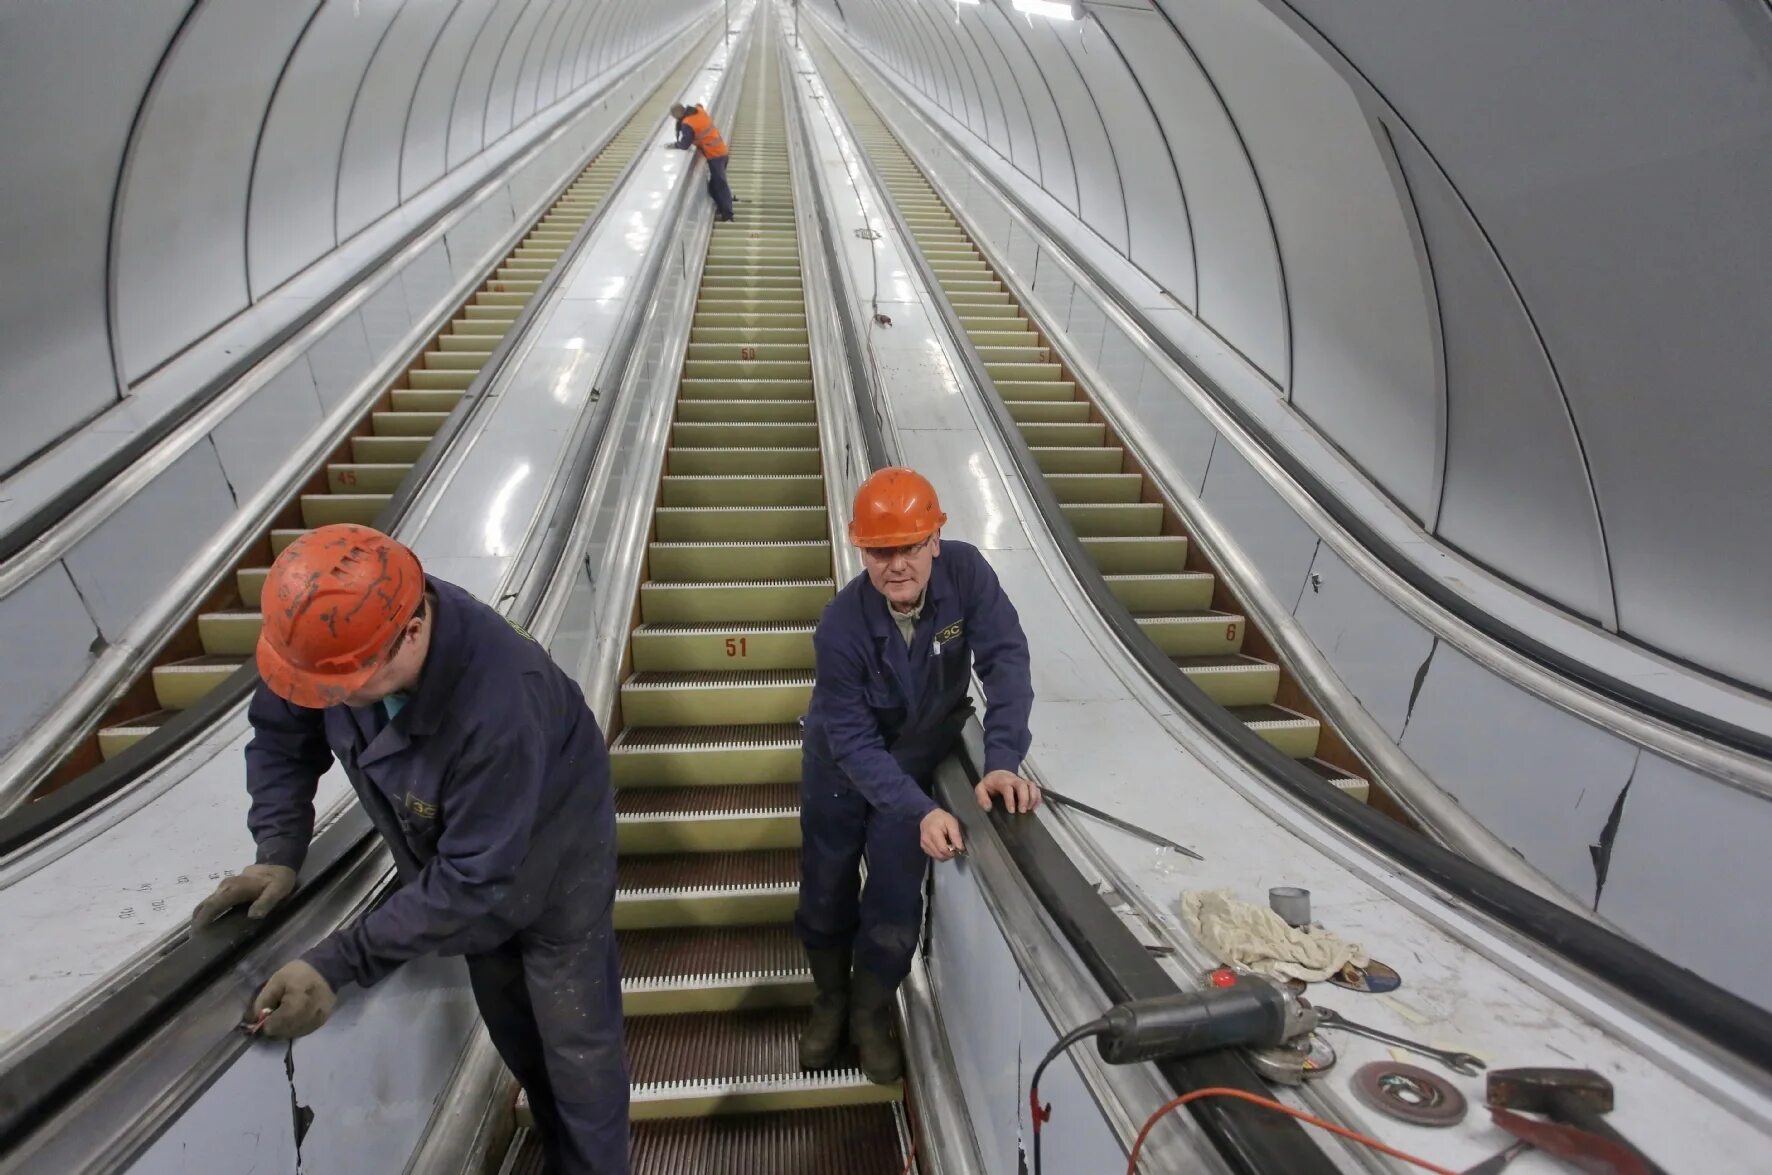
x,y
1051,9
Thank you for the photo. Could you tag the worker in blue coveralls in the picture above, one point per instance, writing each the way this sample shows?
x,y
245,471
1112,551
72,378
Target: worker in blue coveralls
x,y
894,653
486,774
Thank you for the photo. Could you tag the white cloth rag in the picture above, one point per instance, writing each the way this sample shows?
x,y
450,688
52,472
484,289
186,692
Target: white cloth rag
x,y
1257,939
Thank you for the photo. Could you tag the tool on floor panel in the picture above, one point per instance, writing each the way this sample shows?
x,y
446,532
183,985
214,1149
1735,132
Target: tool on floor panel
x,y
1409,1093
1572,1098
1495,1163
1256,1013
1122,825
1458,1062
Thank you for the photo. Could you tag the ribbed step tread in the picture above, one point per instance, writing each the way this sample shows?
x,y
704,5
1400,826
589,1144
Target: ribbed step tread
x,y
840,1140
679,951
723,629
641,802
719,679
714,1046
665,872
654,738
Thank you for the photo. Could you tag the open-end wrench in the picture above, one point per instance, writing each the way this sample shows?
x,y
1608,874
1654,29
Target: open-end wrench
x,y
1463,1063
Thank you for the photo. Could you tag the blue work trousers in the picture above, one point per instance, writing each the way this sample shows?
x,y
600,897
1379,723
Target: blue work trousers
x,y
883,920
552,1005
718,188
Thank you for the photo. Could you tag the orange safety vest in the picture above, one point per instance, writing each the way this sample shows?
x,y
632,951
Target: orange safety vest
x,y
706,137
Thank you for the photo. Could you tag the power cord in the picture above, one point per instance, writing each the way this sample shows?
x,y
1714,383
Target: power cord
x,y
1041,1114
1269,1104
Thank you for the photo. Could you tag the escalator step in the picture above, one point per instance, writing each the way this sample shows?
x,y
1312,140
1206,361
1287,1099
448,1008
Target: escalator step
x,y
707,819
842,1140
709,950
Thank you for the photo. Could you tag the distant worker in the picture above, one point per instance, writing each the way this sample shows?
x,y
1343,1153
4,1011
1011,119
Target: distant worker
x,y
479,763
894,654
696,129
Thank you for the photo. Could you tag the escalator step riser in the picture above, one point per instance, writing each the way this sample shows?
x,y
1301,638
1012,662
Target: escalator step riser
x,y
1138,556
407,400
330,509
709,762
455,360
1210,635
751,351
746,412
664,603
711,705
1176,591
183,684
730,461
229,634
388,450
1053,411
1081,459
251,582
739,523
365,479
743,834
715,647
1096,519
756,386
714,490
734,562
744,425
441,381
1084,488
1240,682
408,424
748,369
860,1140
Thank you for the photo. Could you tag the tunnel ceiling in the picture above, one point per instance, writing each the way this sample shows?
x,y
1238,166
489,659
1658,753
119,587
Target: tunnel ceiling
x,y
1510,257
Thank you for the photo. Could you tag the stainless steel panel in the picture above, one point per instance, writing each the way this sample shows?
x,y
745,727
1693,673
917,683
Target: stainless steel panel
x,y
1018,143
1057,172
1688,872
467,120
369,170
1053,290
1363,364
372,1074
339,359
1160,235
427,279
262,433
129,558
55,202
424,145
1100,184
1517,494
1373,646
1178,428
529,78
1240,288
180,239
386,316
1542,781
45,626
502,93
1278,543
1078,1138
1635,230
290,220
241,1123
973,972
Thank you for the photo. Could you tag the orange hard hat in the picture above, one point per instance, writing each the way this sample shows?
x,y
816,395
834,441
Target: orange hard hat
x,y
894,507
332,605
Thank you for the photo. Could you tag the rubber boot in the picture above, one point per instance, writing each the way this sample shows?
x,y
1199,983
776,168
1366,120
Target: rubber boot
x,y
872,1026
823,1034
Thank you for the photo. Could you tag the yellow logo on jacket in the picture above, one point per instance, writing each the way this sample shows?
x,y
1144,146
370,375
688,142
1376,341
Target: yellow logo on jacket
x,y
951,632
419,808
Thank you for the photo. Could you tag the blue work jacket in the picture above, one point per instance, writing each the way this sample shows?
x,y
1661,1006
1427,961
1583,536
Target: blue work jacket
x,y
491,788
883,715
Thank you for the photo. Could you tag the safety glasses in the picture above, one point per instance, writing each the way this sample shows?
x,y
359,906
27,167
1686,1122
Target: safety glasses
x,y
888,554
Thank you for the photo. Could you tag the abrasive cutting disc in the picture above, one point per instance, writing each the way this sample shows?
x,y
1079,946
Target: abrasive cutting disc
x,y
1409,1093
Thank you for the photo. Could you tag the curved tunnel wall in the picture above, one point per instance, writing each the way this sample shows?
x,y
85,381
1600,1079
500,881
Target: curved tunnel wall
x,y
166,164
1510,259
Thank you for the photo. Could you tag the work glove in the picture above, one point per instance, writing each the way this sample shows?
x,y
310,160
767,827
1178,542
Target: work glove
x,y
940,835
262,885
298,999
